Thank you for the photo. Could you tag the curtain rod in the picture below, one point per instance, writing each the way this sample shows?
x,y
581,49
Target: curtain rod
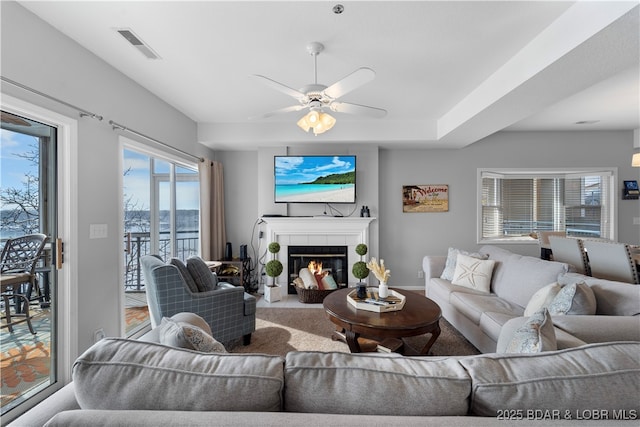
x,y
81,111
118,126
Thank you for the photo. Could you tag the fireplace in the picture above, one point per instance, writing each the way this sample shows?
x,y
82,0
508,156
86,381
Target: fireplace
x,y
318,232
334,261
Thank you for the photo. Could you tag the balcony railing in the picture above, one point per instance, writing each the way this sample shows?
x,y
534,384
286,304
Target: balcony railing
x,y
138,244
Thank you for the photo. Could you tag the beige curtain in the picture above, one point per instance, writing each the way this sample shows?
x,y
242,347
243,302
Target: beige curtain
x,y
212,225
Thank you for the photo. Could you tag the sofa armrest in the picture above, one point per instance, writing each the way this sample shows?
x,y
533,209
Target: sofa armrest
x,y
62,400
433,266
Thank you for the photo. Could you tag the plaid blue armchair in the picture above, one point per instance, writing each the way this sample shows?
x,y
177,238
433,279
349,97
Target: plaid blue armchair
x,y
229,311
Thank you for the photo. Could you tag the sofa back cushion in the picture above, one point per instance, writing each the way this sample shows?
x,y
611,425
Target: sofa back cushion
x,y
612,298
342,383
605,376
517,277
117,373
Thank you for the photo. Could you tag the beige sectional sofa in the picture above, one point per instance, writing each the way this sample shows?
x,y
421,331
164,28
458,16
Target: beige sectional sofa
x,y
120,382
488,319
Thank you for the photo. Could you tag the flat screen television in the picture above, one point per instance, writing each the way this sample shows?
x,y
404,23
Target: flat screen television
x,y
315,179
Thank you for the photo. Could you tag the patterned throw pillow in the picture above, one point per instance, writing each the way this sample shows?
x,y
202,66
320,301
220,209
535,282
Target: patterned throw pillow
x,y
535,336
204,278
184,272
184,335
542,298
473,273
576,298
452,258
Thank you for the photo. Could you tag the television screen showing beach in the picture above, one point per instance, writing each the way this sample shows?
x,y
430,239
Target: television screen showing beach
x,y
315,179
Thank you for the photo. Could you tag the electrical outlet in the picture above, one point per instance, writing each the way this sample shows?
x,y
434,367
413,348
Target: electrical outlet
x,y
98,335
636,220
420,274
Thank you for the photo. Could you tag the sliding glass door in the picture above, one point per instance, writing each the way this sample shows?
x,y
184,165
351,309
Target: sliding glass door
x,y
28,205
161,217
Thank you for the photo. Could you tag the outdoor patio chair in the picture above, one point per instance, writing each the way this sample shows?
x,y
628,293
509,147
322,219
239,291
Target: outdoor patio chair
x,y
17,268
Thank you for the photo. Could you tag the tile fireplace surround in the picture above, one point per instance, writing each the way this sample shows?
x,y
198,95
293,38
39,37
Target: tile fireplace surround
x,y
317,231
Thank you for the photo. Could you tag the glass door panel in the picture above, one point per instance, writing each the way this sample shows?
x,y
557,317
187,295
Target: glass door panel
x,y
28,205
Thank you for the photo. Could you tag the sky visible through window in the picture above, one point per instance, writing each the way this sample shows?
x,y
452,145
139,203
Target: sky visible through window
x,y
138,174
14,169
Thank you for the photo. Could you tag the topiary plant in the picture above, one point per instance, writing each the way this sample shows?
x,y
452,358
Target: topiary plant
x,y
274,247
274,267
360,270
361,249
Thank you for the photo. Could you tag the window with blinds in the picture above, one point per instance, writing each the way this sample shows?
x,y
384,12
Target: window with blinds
x,y
517,203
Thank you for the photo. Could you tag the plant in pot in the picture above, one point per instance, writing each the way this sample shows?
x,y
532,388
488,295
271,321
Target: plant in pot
x,y
273,269
361,271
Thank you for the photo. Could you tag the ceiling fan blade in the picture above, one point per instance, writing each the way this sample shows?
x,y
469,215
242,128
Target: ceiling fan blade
x,y
347,107
280,87
279,111
352,81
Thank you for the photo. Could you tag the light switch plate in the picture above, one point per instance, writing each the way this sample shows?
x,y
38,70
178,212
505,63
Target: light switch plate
x,y
98,231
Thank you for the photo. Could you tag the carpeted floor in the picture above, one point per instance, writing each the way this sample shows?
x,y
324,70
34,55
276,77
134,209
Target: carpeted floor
x,y
280,330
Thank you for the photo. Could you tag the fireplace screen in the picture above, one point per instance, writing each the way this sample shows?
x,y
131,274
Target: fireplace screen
x,y
332,258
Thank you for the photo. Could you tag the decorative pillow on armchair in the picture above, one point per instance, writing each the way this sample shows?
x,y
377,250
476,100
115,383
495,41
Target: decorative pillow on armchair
x,y
576,298
204,278
452,259
184,272
535,336
473,273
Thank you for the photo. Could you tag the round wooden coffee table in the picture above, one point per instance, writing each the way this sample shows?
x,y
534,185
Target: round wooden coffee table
x,y
419,316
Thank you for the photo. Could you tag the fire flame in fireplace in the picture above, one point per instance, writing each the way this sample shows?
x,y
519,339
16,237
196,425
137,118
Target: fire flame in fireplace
x,y
315,267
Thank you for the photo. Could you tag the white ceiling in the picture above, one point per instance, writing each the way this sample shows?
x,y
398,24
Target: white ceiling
x,y
448,72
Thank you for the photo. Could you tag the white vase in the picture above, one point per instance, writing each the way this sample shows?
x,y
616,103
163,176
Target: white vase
x,y
383,290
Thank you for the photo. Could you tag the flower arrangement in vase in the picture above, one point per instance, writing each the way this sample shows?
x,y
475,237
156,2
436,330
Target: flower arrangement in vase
x,y
382,274
273,269
361,271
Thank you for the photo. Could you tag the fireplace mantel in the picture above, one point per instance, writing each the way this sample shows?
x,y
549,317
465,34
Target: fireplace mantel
x,y
317,231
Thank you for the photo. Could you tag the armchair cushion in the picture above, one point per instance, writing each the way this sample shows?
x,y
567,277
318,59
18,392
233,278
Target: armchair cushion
x,y
204,278
184,335
188,279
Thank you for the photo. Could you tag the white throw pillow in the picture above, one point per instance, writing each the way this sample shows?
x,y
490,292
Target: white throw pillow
x,y
452,258
542,298
308,278
473,273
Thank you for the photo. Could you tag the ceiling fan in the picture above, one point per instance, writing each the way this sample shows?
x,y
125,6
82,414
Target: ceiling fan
x,y
317,97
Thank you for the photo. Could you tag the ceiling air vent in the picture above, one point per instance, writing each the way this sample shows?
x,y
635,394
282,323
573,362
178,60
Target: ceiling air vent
x,y
137,43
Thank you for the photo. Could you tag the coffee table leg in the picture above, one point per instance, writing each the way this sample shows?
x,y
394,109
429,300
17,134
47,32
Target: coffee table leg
x,y
434,336
352,341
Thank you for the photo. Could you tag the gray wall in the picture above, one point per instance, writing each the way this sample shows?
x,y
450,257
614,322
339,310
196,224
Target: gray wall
x,y
404,238
63,69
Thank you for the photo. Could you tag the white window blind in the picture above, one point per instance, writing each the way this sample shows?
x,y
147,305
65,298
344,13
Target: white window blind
x,y
516,203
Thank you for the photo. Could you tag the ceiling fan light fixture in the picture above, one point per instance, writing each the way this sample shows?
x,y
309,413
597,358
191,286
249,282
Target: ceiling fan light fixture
x,y
318,121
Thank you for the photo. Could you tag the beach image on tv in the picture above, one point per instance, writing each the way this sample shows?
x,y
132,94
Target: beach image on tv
x,y
315,179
